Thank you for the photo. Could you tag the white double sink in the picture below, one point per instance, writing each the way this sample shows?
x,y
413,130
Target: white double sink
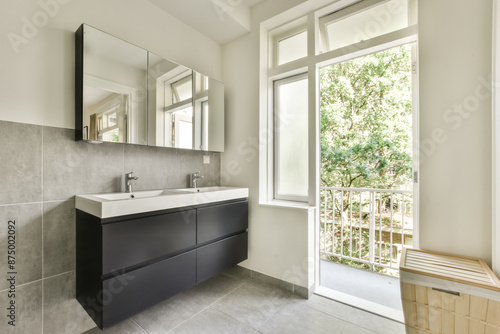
x,y
120,204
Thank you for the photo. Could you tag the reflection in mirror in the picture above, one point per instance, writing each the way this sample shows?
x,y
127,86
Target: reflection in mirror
x,y
170,104
208,101
114,81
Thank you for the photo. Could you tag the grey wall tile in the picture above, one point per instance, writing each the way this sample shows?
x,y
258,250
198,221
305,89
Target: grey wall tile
x,y
28,241
28,302
58,237
61,311
192,161
21,163
155,166
72,168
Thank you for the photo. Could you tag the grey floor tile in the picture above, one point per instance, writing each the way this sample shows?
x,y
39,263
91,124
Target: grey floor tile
x,y
375,323
299,318
163,317
58,237
61,311
172,312
28,302
21,163
325,305
253,303
272,281
212,321
353,329
126,327
215,288
28,242
238,272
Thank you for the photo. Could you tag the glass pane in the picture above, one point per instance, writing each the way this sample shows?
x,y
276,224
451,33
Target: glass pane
x,y
376,21
113,135
185,135
291,134
112,119
182,90
292,48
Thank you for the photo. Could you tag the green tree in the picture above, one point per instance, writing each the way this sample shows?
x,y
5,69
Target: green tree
x,y
366,121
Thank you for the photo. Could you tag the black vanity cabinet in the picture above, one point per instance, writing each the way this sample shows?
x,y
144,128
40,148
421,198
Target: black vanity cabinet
x,y
126,264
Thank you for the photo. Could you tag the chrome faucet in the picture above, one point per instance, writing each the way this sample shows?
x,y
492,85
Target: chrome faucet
x,y
129,177
194,178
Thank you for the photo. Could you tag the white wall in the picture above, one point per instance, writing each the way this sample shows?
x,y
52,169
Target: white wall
x,y
455,71
455,203
37,75
280,239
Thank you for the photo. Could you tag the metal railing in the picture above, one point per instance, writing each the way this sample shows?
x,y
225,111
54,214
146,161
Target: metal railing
x,y
366,226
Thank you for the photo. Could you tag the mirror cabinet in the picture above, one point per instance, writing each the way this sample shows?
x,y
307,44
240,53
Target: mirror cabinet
x,y
126,94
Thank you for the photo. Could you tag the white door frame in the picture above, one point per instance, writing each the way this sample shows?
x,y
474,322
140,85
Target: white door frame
x,y
495,103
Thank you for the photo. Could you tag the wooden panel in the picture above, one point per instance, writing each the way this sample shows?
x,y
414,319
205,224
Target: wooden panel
x,y
436,312
132,242
221,220
493,315
459,269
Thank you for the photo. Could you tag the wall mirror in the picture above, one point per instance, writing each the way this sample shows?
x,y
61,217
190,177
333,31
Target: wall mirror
x,y
114,75
126,94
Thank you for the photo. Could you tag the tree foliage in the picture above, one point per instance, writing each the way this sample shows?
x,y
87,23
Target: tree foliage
x,y
366,121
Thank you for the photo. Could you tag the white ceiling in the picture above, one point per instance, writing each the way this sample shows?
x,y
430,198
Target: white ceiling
x,y
220,20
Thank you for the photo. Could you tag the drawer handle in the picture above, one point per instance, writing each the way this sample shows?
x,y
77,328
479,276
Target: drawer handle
x,y
447,291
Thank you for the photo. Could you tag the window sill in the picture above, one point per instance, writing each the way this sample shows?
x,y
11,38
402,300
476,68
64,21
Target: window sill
x,y
288,204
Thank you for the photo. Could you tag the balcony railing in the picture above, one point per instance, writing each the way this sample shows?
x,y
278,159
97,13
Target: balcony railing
x,y
366,227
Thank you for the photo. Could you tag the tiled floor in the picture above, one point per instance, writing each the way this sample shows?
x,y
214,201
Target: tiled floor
x,y
232,303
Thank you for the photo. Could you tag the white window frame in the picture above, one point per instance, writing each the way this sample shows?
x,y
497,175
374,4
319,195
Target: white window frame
x,y
342,14
283,36
276,165
274,30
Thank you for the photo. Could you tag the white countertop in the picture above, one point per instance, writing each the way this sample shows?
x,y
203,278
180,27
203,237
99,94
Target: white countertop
x,y
120,204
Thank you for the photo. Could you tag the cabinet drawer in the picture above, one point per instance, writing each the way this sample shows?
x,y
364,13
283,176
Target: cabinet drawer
x,y
128,294
221,255
221,220
134,241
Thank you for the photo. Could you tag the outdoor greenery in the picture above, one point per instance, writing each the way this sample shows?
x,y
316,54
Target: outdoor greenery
x,y
366,121
366,142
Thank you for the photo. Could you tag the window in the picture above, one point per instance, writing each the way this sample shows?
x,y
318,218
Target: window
x,y
362,21
290,72
290,135
179,111
292,47
182,90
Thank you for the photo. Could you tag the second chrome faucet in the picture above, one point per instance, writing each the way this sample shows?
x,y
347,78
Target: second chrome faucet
x,y
194,178
129,177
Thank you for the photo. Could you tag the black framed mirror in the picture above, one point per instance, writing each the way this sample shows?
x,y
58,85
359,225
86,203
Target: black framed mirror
x,y
126,94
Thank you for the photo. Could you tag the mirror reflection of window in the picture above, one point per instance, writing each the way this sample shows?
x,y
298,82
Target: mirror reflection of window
x,y
182,128
107,117
182,90
204,125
